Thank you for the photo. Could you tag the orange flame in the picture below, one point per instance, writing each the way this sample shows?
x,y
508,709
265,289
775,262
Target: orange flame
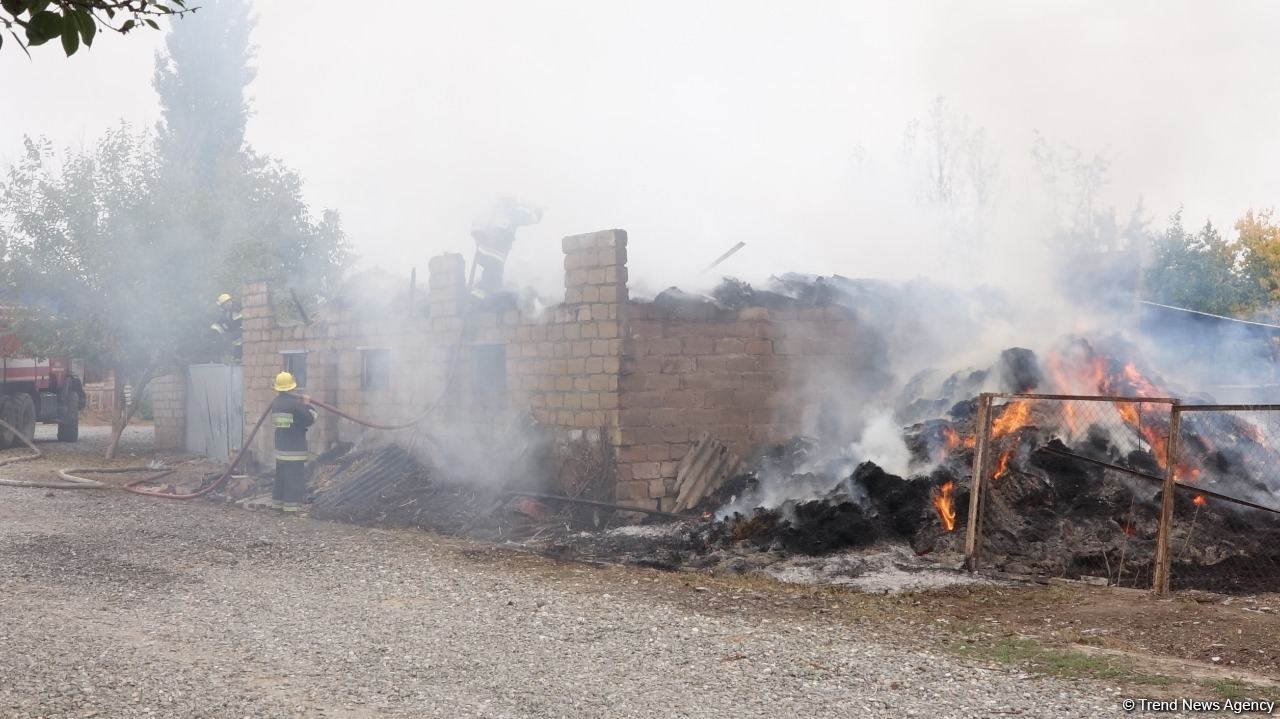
x,y
1129,530
1072,424
1200,500
1014,416
952,440
1004,464
1159,444
945,503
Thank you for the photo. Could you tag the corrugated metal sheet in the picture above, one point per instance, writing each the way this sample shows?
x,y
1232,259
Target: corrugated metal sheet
x,y
215,410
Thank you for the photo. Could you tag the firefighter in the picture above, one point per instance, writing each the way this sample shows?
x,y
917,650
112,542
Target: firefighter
x,y
291,415
494,236
229,325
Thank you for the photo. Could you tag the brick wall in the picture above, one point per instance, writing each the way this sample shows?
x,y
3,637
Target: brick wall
x,y
621,387
748,377
561,367
169,408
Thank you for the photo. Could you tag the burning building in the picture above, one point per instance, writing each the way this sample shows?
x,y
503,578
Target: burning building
x,y
629,384
605,397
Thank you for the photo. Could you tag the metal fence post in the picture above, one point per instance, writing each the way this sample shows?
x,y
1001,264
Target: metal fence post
x,y
974,526
1163,556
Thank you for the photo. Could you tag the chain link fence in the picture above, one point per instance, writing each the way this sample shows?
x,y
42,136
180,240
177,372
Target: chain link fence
x,y
1225,530
1136,492
1067,486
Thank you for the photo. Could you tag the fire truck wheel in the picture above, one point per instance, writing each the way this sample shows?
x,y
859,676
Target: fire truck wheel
x,y
26,413
9,413
69,431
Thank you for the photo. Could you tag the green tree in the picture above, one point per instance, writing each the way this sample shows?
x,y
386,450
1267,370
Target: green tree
x,y
1198,271
90,256
202,79
124,247
243,208
76,22
1259,238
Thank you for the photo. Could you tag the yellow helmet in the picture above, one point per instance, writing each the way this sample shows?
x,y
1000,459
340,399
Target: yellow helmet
x,y
285,382
223,299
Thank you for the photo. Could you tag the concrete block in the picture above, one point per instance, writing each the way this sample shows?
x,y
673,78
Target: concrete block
x,y
729,345
630,491
698,345
646,470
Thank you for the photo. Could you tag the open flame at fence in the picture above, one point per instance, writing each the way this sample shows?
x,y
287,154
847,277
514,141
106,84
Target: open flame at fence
x,y
944,501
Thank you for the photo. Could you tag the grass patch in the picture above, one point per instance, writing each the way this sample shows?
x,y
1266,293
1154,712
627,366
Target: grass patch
x,y
1228,688
1058,662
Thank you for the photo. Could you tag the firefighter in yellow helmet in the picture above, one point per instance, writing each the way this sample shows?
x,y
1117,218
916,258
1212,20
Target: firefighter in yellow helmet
x,y
230,324
291,415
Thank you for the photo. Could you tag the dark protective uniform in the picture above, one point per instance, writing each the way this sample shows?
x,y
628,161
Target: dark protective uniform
x,y
291,417
230,326
494,236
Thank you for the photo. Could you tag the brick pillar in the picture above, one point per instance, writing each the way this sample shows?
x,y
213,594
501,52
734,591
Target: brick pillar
x,y
169,409
595,289
260,362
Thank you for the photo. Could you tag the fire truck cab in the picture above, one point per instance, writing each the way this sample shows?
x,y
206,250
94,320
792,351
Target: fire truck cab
x,y
46,390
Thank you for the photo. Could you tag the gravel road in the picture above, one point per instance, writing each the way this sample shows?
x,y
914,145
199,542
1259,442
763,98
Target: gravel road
x,y
119,606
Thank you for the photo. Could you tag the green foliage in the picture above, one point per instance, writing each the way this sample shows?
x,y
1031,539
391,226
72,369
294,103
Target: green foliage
x,y
1259,241
120,250
78,21
1199,271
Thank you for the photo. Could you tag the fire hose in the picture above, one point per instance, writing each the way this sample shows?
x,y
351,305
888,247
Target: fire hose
x,y
70,480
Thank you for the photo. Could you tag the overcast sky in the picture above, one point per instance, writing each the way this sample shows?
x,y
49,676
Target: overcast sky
x,y
695,125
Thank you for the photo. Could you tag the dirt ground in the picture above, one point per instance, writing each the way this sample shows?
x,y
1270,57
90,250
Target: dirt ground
x,y
1196,636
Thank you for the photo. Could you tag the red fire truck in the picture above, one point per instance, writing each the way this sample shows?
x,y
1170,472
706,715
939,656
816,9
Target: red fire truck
x,y
34,390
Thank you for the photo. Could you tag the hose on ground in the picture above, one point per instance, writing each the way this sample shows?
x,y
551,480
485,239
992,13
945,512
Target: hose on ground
x,y
69,478
65,483
133,486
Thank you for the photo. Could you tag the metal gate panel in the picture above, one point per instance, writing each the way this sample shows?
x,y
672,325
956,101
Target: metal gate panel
x,y
215,410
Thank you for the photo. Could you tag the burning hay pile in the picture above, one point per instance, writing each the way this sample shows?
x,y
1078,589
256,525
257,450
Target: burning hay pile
x,y
1073,486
